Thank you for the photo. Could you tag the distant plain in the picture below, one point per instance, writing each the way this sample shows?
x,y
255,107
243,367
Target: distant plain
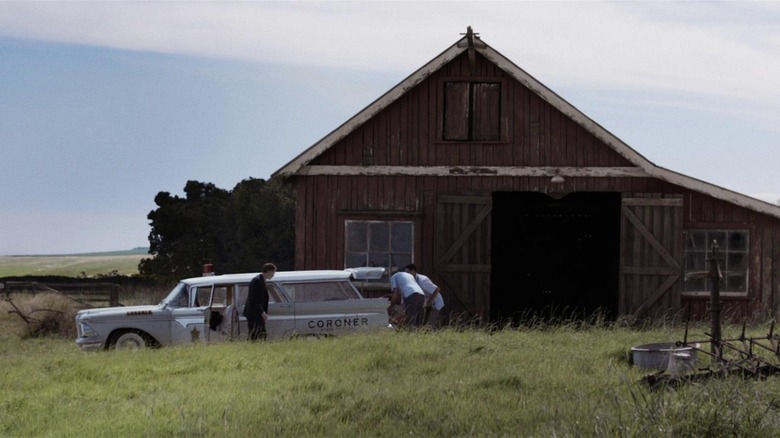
x,y
73,265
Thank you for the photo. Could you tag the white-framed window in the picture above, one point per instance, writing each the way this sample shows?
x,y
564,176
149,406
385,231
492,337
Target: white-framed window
x,y
733,259
388,244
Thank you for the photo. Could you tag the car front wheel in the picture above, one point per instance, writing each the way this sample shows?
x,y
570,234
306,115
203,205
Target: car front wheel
x,y
130,341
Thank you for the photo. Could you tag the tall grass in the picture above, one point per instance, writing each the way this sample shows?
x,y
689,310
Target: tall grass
x,y
566,380
41,314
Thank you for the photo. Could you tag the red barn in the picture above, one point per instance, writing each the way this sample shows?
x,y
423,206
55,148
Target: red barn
x,y
513,201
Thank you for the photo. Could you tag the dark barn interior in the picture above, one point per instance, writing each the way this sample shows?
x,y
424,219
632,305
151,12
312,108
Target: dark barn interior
x,y
554,258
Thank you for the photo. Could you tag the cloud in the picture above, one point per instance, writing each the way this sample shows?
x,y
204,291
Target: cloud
x,y
694,86
352,35
693,53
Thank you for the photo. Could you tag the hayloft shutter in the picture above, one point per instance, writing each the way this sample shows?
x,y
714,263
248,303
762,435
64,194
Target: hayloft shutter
x,y
472,111
456,111
486,118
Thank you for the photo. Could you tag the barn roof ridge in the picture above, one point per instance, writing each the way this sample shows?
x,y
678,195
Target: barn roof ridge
x,y
466,43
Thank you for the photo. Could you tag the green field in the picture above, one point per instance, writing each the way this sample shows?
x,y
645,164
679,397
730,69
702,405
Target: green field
x,y
73,265
565,380
559,382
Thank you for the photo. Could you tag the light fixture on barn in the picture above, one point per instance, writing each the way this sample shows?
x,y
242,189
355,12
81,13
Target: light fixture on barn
x,y
557,178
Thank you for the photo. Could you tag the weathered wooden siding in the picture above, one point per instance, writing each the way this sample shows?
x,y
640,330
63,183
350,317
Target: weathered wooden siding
x,y
325,202
408,132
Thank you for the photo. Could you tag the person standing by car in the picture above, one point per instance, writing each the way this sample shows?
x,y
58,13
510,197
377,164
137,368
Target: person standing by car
x,y
256,308
433,299
406,290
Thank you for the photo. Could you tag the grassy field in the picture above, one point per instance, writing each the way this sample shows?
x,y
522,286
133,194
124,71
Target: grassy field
x,y
565,381
124,262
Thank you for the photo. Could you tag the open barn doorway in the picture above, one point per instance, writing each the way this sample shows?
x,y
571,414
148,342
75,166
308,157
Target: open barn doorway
x,y
554,258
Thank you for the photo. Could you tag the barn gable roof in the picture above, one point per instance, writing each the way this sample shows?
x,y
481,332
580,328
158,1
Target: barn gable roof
x,y
297,166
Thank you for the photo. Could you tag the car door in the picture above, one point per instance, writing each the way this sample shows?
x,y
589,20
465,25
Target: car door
x,y
187,323
215,318
281,313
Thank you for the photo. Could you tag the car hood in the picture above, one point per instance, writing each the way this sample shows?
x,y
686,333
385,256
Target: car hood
x,y
113,312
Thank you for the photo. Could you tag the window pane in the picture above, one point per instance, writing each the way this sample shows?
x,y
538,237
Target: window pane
x,y
736,282
355,260
736,261
695,240
379,236
695,261
737,241
717,236
202,297
219,299
402,237
273,294
694,284
181,299
325,291
357,236
243,293
401,260
379,259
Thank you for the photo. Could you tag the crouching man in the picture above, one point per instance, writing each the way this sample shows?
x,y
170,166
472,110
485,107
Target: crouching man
x,y
434,302
406,290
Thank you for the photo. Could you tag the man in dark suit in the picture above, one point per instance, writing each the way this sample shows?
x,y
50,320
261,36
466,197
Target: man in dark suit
x,y
256,308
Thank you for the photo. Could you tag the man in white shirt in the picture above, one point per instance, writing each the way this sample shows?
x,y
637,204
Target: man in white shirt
x,y
406,290
433,299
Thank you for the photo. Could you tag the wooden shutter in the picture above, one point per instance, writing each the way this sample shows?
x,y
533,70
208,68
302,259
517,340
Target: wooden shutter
x,y
650,253
456,111
486,107
463,239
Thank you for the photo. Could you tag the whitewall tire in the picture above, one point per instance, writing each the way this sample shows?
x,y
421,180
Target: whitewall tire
x,y
130,341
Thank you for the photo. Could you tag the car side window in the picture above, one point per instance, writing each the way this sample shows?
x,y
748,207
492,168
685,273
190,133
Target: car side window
x,y
220,296
243,293
273,293
181,299
320,291
202,295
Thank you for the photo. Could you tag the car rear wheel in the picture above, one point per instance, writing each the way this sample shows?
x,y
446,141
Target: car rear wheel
x,y
130,341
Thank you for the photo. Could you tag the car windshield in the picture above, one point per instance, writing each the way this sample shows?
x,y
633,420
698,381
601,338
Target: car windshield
x,y
178,297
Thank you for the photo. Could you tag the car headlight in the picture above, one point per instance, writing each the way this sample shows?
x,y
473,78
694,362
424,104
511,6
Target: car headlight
x,y
86,331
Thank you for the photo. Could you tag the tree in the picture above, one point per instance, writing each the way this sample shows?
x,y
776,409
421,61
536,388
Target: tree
x,y
262,221
236,231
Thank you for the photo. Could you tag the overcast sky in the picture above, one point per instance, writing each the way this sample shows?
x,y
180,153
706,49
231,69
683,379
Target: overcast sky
x,y
105,104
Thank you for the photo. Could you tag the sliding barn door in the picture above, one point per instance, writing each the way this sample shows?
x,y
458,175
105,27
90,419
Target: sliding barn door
x,y
650,253
463,254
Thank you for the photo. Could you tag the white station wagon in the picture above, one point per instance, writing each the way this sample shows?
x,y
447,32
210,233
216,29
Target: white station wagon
x,y
210,309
